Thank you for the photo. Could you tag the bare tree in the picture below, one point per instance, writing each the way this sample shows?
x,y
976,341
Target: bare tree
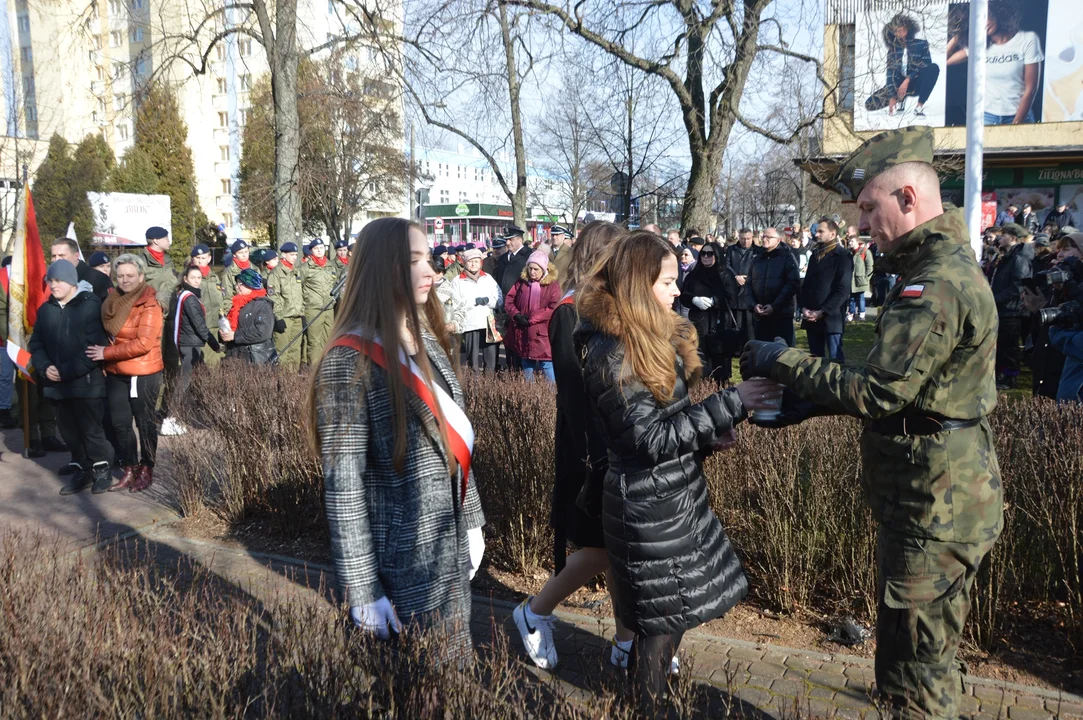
x,y
717,41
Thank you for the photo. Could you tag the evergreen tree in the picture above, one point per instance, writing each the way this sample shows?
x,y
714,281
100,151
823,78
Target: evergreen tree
x,y
162,135
93,162
135,174
51,190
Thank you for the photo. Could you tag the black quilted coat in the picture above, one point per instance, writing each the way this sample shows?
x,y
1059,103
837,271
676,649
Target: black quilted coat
x,y
675,568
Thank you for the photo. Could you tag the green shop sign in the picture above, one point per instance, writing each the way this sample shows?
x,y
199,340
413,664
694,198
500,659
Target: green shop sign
x,y
1055,175
462,210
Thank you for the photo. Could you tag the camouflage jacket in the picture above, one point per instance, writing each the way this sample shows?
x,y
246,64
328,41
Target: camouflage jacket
x,y
228,282
341,269
161,277
284,287
933,354
210,293
317,283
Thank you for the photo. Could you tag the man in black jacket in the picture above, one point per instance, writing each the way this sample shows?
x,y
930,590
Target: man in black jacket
x,y
739,257
1061,216
513,262
826,291
1015,266
1028,219
68,323
773,282
67,249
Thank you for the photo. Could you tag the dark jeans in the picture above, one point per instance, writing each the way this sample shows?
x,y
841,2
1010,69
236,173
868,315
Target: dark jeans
x,y
1009,354
478,352
826,345
123,408
921,86
80,423
648,667
190,357
777,324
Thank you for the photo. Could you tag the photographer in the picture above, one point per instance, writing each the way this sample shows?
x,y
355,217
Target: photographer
x,y
1058,350
1011,271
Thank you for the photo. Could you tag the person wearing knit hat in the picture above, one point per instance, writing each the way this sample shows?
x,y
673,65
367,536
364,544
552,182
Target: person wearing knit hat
x,y
475,296
529,305
285,290
251,321
318,278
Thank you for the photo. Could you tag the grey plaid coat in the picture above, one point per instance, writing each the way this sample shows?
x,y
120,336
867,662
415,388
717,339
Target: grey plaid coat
x,y
400,535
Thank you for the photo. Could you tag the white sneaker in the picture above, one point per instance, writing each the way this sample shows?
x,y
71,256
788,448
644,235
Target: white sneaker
x,y
172,426
619,652
849,318
861,316
675,666
537,634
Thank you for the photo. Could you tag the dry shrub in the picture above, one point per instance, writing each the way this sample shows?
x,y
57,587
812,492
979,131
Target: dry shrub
x,y
791,500
121,636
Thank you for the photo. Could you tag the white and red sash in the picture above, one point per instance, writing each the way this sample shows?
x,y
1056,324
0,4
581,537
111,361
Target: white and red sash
x,y
459,430
184,295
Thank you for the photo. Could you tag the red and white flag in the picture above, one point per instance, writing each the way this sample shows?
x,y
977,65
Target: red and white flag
x,y
26,283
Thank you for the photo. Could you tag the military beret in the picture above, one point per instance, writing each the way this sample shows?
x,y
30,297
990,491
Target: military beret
x,y
341,244
97,258
156,233
268,255
460,248
1016,231
200,249
288,247
470,246
227,259
315,242
237,246
440,250
880,153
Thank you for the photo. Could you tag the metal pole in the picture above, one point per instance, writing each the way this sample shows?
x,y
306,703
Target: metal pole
x,y
975,121
413,169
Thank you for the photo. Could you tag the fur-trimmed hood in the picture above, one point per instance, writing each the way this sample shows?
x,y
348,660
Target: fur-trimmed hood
x,y
549,277
598,312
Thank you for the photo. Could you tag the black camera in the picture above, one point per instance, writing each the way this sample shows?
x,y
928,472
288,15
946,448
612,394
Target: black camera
x,y
1067,272
1069,313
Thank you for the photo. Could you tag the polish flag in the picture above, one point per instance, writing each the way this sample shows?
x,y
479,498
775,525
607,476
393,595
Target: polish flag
x,y
26,283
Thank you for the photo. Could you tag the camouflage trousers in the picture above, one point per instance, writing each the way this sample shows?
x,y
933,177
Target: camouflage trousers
x,y
924,599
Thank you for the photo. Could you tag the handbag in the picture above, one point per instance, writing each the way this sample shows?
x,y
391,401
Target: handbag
x,y
492,333
727,342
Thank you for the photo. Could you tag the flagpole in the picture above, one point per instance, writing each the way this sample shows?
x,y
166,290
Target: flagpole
x,y
26,414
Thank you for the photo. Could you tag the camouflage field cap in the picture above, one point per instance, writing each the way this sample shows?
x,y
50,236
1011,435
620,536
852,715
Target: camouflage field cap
x,y
886,150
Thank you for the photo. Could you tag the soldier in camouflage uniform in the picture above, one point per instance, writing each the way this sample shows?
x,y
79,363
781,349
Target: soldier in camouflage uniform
x,y
210,294
341,263
318,277
929,465
240,251
159,271
284,287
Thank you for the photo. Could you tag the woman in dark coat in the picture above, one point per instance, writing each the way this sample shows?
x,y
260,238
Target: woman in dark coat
x,y
674,567
251,320
710,292
577,441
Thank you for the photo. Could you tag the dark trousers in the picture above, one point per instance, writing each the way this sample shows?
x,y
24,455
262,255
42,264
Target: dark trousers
x,y
881,285
190,357
511,360
826,345
744,320
648,667
80,424
1009,354
777,324
478,351
921,86
42,412
124,408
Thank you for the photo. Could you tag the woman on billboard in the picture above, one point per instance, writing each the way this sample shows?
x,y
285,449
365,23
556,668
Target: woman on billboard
x,y
1013,64
910,68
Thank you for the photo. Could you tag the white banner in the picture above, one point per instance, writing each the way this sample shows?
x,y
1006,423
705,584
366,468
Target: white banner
x,y
123,218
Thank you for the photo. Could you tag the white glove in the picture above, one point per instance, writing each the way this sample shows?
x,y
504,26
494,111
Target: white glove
x,y
703,303
476,542
376,617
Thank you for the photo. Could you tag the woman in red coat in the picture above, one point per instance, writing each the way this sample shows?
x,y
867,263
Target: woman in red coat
x,y
530,304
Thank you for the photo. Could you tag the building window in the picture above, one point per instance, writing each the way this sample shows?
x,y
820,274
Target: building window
x,y
24,23
31,113
244,47
97,42
137,4
220,51
223,152
135,35
846,67
227,186
223,119
122,132
100,72
141,66
26,54
28,86
242,117
114,7
221,86
115,38
118,102
445,197
246,82
462,197
227,219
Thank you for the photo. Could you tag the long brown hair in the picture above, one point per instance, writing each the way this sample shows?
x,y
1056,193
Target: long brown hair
x,y
378,293
592,241
619,300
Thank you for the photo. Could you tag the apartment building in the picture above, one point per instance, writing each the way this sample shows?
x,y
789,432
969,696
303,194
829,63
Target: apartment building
x,y
74,67
1033,127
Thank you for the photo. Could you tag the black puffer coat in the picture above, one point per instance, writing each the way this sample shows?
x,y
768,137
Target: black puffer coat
x,y
1008,278
773,279
61,336
675,568
253,341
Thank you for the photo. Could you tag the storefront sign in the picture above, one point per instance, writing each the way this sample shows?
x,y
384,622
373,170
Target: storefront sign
x,y
1054,175
462,210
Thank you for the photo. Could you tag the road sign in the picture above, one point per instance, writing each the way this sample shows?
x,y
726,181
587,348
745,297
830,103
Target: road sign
x,y
462,210
438,225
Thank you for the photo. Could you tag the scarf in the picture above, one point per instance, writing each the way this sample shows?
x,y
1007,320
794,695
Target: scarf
x,y
345,260
318,260
118,306
239,301
686,266
533,297
825,248
242,264
206,270
472,276
287,263
158,255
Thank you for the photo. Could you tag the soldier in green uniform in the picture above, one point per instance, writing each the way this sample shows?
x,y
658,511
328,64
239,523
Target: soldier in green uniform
x,y
211,297
318,277
929,465
240,251
159,273
341,263
560,253
284,287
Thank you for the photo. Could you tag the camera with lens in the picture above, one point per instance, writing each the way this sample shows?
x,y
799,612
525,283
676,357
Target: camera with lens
x,y
1068,274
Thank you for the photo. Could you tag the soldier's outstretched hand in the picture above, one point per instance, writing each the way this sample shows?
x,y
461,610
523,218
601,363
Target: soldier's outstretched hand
x,y
794,410
759,357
